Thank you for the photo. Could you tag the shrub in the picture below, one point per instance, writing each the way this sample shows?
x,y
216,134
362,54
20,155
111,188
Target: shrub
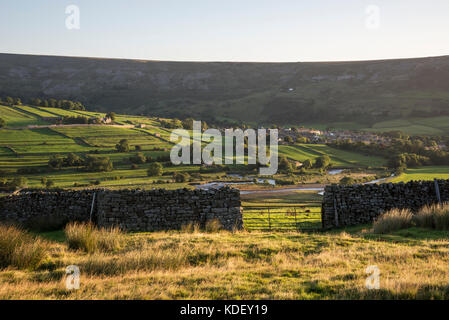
x,y
180,177
138,158
347,181
434,217
213,225
20,249
393,220
122,146
86,237
192,227
98,164
155,169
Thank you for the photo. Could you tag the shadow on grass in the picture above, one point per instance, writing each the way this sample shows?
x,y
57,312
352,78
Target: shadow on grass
x,y
56,236
422,292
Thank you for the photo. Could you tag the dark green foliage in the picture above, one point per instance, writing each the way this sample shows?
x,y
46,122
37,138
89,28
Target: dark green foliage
x,y
122,146
322,162
98,164
155,169
138,158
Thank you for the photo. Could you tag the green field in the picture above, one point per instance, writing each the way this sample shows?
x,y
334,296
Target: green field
x,y
339,158
16,118
424,173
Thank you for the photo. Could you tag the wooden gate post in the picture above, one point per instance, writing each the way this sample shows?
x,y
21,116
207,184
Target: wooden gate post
x,y
335,212
437,191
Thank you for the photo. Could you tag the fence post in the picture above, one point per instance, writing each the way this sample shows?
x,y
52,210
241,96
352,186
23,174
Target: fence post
x,y
335,212
437,191
92,207
269,220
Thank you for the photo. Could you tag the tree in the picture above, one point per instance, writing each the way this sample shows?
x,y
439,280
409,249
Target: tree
x,y
122,146
307,164
302,139
138,148
49,184
2,123
72,160
138,158
285,165
180,177
187,123
288,139
155,169
9,100
322,162
44,181
55,162
36,101
111,115
347,181
17,101
19,182
98,164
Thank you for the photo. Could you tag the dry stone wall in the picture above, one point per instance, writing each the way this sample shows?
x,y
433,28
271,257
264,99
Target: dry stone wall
x,y
358,204
132,210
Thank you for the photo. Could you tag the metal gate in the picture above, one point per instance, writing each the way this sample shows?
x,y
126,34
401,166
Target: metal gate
x,y
282,218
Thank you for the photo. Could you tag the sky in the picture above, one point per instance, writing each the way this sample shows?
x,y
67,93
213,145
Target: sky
x,y
227,30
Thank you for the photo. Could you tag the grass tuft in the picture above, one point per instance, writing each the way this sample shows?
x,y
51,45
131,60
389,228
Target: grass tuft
x,y
433,217
213,226
393,220
20,249
88,238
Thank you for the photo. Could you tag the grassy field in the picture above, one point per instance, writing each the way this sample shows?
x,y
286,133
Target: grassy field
x,y
339,158
424,173
32,148
243,265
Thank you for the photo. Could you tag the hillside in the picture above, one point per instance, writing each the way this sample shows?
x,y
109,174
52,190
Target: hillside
x,y
350,94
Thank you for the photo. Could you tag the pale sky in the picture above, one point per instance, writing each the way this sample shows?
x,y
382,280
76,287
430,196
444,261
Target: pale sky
x,y
228,30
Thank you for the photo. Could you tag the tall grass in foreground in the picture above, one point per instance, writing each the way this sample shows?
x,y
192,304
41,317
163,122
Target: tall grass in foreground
x,y
393,220
430,217
86,237
20,249
433,217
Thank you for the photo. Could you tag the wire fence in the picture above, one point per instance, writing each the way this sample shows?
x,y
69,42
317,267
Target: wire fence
x,y
282,218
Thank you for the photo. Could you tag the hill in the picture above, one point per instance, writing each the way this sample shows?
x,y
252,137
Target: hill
x,y
341,94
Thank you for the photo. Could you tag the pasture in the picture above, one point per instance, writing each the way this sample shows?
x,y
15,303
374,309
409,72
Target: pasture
x,y
242,265
339,158
423,173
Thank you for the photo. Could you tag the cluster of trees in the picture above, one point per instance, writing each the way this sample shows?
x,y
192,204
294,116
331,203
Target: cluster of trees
x,y
155,170
403,151
90,163
2,123
184,124
12,184
11,101
62,104
322,162
79,120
